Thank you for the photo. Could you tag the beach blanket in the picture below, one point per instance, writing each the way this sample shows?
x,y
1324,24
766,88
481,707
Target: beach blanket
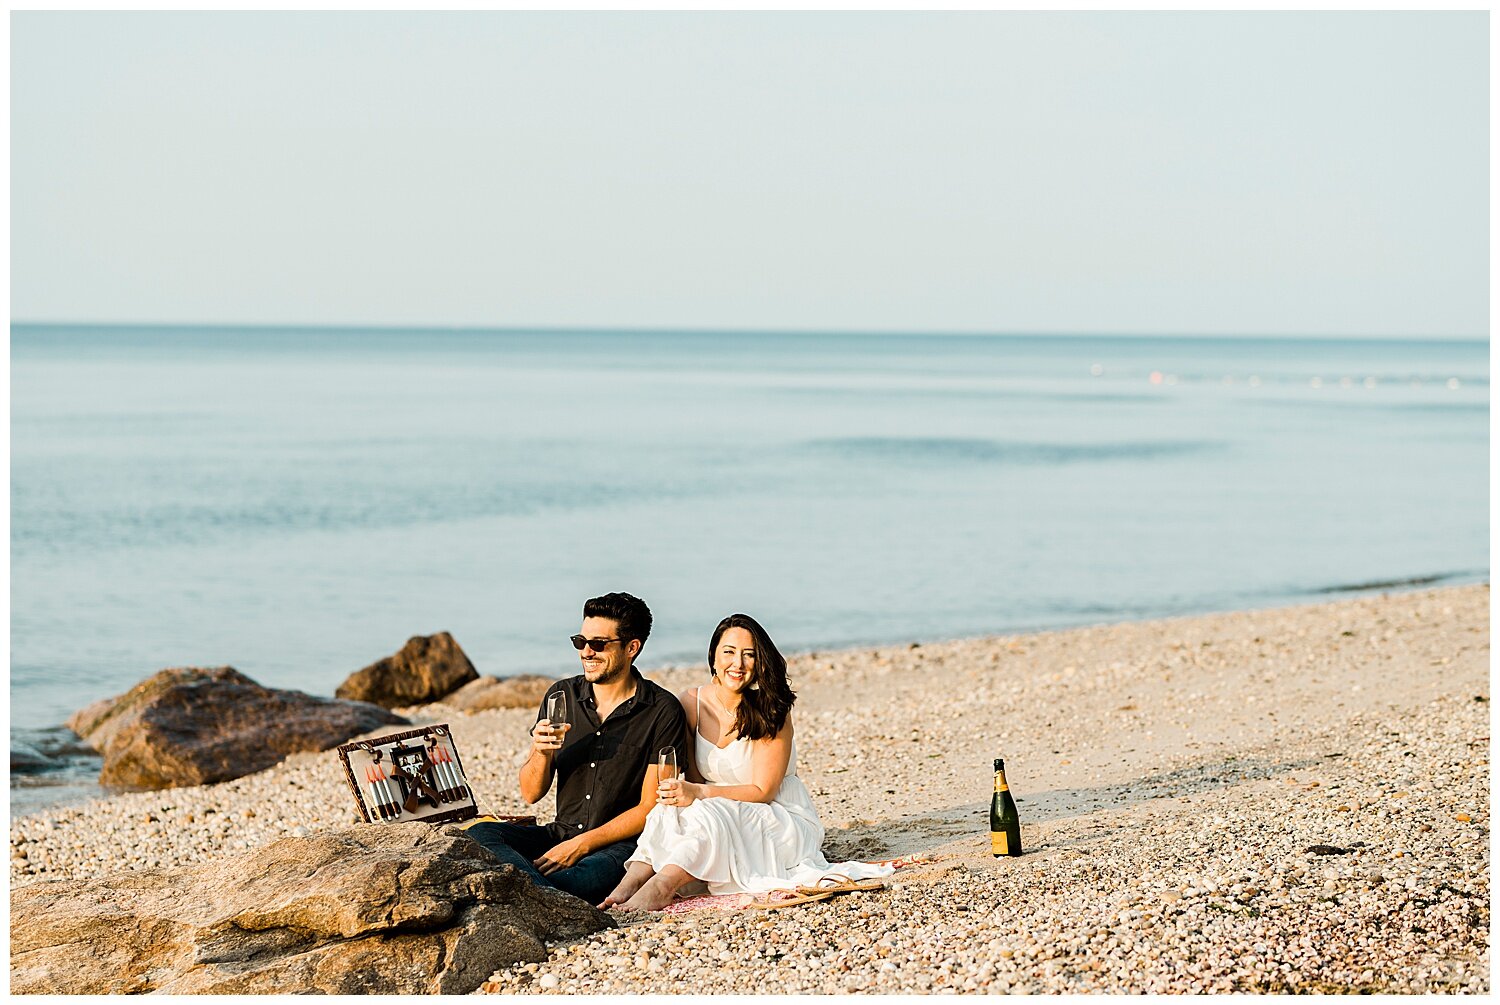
x,y
740,901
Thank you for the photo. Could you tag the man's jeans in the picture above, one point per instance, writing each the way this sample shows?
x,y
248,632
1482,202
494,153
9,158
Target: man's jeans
x,y
592,877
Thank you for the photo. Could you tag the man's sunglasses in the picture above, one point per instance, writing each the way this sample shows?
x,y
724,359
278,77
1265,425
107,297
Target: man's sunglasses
x,y
598,645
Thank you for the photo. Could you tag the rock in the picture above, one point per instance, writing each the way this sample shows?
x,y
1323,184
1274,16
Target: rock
x,y
93,722
427,668
1327,849
26,759
193,726
371,909
500,692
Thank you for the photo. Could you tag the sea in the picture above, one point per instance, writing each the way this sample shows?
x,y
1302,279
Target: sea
x,y
298,502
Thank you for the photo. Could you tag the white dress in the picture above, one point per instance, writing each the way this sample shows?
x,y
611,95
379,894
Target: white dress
x,y
743,847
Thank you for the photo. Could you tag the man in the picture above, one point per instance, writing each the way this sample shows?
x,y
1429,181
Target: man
x,y
604,759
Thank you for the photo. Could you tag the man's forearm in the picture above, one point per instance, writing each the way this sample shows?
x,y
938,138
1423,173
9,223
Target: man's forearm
x,y
621,828
536,777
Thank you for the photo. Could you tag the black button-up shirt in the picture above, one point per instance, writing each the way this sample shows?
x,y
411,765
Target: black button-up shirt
x,y
601,765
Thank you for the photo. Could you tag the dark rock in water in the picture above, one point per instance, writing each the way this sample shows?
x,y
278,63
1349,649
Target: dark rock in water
x,y
372,909
193,726
500,692
426,668
50,767
28,760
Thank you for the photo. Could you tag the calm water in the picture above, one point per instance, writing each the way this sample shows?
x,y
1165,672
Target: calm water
x,y
296,503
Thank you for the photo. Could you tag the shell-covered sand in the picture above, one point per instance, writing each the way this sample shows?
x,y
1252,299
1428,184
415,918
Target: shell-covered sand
x,y
1171,777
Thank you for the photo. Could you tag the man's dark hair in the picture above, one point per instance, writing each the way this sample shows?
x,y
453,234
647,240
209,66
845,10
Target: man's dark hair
x,y
631,612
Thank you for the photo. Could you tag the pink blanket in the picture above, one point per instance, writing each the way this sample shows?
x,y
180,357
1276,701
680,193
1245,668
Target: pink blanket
x,y
736,901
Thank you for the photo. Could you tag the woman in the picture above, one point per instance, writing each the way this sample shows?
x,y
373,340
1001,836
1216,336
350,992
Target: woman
x,y
743,822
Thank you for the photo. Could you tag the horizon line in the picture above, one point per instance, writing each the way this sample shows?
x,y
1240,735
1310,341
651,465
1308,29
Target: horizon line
x,y
731,331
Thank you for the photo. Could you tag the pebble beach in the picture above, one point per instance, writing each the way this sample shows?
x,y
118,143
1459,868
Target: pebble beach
x,y
1282,800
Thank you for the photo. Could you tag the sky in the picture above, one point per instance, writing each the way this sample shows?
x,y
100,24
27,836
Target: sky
x,y
1182,173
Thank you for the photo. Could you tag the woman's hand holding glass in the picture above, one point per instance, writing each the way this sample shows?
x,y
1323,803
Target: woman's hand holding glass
x,y
671,790
676,792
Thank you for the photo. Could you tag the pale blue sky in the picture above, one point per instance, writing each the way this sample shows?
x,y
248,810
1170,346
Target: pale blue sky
x,y
1111,172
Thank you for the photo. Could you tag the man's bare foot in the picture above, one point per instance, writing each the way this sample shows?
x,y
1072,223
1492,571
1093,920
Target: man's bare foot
x,y
636,875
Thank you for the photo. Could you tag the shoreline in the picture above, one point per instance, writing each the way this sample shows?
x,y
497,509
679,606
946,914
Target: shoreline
x,y
1171,775
74,789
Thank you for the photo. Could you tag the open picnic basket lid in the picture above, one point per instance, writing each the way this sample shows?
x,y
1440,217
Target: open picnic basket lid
x,y
412,775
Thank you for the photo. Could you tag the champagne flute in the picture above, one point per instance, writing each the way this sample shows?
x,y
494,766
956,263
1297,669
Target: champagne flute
x,y
666,764
557,714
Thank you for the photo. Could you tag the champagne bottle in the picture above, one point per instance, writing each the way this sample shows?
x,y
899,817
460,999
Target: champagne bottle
x,y
1005,822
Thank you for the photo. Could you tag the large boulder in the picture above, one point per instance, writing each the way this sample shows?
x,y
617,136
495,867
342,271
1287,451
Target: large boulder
x,y
192,726
371,909
486,693
426,668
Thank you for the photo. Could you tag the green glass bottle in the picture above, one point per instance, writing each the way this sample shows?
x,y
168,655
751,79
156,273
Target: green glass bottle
x,y
1005,822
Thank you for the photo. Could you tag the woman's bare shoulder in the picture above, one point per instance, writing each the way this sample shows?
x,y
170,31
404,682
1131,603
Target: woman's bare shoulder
x,y
688,699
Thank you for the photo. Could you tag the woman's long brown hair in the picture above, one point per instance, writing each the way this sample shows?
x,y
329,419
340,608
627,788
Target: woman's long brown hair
x,y
762,710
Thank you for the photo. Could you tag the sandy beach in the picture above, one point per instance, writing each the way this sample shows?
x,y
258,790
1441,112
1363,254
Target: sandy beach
x,y
1171,775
